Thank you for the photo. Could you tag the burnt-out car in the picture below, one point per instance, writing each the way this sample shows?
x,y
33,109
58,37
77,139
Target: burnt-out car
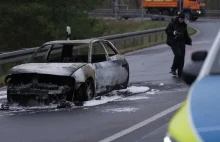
x,y
70,70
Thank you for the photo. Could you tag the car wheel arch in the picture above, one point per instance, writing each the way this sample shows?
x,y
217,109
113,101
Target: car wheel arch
x,y
82,74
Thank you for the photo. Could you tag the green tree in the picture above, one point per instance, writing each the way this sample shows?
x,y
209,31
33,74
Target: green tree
x,y
30,23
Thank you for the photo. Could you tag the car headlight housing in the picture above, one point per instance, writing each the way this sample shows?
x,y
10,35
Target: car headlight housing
x,y
169,138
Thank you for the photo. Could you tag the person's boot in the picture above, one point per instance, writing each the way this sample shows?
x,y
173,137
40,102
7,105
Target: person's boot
x,y
179,74
173,72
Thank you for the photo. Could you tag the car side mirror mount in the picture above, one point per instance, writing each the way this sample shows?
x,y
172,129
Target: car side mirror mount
x,y
192,70
199,56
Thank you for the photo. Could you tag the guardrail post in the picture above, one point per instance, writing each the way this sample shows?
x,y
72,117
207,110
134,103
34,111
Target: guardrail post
x,y
1,70
156,37
162,36
149,38
125,43
133,43
78,51
142,40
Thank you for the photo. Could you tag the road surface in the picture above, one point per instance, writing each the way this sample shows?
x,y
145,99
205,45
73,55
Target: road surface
x,y
116,120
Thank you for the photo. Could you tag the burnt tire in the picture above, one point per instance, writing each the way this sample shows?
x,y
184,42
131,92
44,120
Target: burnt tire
x,y
11,98
8,97
86,92
89,91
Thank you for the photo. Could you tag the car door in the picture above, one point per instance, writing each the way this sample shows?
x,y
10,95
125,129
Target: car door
x,y
119,66
99,62
111,70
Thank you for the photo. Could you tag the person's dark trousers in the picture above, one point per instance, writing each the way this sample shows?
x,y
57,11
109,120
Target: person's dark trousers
x,y
179,57
176,52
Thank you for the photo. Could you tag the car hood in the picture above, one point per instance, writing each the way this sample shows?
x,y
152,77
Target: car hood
x,y
61,69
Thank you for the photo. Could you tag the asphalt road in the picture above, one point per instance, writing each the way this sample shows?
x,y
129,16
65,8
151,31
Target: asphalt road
x,y
149,67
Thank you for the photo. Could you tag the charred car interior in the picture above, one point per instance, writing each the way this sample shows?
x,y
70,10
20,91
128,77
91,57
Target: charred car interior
x,y
67,71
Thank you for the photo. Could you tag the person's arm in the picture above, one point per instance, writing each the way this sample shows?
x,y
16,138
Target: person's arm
x,y
170,29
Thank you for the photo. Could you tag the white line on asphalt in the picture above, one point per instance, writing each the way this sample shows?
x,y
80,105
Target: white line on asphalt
x,y
203,42
141,124
151,133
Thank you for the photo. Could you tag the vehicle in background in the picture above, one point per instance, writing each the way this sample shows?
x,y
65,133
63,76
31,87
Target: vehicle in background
x,y
198,118
191,8
202,7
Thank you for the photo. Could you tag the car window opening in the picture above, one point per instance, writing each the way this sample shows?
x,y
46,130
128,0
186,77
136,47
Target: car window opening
x,y
73,53
98,53
62,53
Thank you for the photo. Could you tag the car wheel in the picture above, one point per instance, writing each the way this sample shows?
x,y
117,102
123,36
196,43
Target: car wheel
x,y
8,97
86,92
89,90
127,81
11,99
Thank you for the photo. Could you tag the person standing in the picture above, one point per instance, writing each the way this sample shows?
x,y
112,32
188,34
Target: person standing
x,y
177,38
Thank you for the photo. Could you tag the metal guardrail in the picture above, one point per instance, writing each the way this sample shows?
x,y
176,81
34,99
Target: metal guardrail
x,y
121,41
212,13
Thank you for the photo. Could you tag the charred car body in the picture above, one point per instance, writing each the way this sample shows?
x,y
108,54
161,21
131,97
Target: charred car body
x,y
70,70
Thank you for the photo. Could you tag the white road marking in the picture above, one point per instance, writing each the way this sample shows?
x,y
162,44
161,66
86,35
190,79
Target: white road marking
x,y
141,124
202,42
151,133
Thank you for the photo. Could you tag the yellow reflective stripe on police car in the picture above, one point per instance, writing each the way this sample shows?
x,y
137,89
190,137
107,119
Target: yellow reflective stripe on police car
x,y
180,127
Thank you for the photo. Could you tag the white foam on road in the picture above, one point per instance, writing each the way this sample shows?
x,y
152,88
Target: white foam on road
x,y
133,98
3,97
153,91
161,84
3,93
23,109
124,109
136,89
103,100
132,89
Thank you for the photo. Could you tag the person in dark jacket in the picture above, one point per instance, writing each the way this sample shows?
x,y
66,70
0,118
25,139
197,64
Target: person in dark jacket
x,y
177,38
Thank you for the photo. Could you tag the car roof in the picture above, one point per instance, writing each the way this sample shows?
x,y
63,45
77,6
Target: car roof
x,y
84,41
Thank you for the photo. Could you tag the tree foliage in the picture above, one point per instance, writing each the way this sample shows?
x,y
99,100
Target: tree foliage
x,y
29,23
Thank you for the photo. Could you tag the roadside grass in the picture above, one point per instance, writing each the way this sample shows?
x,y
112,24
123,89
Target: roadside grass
x,y
2,78
124,26
128,45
